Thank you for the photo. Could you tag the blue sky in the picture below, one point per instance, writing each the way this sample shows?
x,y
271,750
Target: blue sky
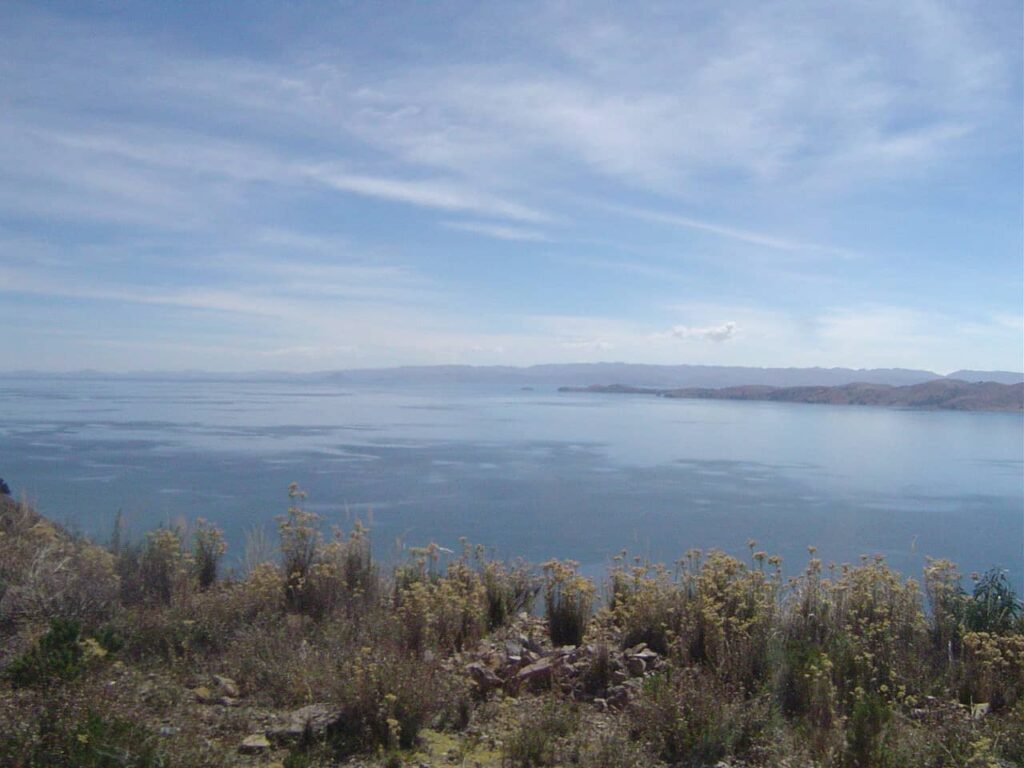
x,y
304,186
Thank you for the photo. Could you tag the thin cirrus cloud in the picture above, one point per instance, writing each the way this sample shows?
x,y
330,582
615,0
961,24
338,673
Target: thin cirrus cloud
x,y
496,231
427,190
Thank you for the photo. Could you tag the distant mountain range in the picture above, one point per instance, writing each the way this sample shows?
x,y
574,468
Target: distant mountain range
x,y
573,374
941,394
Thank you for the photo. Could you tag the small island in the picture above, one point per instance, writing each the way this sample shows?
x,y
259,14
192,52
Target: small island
x,y
942,394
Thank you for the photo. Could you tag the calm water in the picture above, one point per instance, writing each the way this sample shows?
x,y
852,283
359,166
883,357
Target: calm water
x,y
536,474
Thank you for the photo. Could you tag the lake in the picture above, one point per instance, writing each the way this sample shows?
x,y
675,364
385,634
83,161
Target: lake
x,y
530,473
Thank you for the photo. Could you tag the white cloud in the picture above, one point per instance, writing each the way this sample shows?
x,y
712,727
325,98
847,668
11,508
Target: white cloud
x,y
714,333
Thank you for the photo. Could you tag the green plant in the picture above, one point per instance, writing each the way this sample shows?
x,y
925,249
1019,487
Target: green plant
x,y
162,564
535,740
509,589
90,741
568,600
300,546
61,653
690,716
207,549
993,606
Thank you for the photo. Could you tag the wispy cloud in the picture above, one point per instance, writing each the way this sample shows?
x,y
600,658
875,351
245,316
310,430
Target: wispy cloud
x,y
431,193
496,231
761,239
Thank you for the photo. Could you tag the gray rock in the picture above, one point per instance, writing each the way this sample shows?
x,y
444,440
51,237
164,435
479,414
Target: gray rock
x,y
254,744
636,666
484,678
226,687
308,722
538,672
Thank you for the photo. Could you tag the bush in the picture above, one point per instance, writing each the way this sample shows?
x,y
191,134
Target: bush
x,y
89,741
386,699
689,716
568,599
162,565
62,654
300,546
207,549
993,606
509,590
45,573
537,738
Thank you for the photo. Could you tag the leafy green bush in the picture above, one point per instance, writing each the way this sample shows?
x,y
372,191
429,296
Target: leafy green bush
x,y
93,741
993,606
57,654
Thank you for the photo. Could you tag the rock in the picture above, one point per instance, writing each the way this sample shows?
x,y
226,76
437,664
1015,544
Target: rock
x,y
204,695
530,644
483,677
226,687
636,666
308,722
618,697
978,711
601,705
254,744
537,673
619,677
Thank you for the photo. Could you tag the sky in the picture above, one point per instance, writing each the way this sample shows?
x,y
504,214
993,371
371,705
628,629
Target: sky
x,y
313,185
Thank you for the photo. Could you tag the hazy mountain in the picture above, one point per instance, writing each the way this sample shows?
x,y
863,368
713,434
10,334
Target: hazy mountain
x,y
1001,377
567,374
631,374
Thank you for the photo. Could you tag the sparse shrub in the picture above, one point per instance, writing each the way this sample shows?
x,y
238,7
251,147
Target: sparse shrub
x,y
162,565
647,606
538,737
90,740
598,676
386,698
300,545
343,573
610,747
880,632
689,716
208,548
729,615
993,669
568,600
509,590
5,489
448,612
45,573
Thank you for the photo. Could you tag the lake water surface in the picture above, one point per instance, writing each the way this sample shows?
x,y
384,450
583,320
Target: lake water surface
x,y
531,473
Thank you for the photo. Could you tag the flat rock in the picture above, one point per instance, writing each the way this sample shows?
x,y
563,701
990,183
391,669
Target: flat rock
x,y
485,678
254,744
310,721
226,687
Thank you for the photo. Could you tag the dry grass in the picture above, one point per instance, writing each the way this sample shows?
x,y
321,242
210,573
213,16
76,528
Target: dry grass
x,y
99,648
